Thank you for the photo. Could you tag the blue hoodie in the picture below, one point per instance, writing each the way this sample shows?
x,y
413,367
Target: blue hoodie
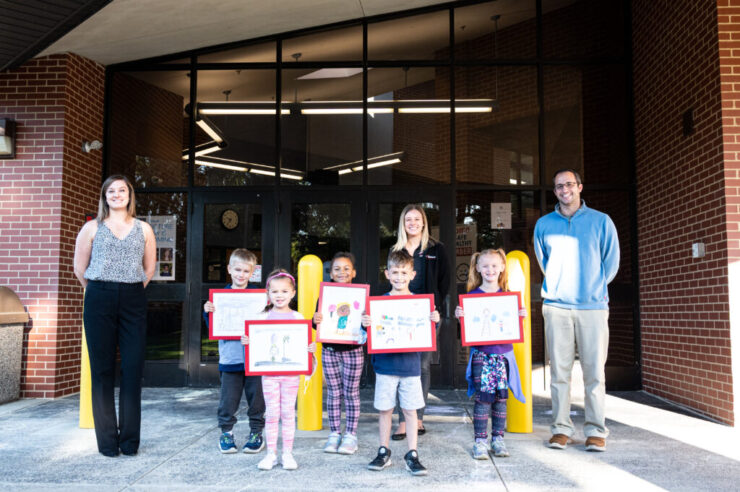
x,y
579,256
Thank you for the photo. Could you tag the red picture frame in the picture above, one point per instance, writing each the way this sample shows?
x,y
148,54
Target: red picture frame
x,y
375,346
475,335
258,354
212,335
319,332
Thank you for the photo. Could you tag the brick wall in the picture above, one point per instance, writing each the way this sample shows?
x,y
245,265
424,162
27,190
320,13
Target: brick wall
x,y
57,103
681,200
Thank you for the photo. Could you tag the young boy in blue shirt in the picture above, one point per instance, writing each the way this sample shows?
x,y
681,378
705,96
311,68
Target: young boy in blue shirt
x,y
231,367
398,374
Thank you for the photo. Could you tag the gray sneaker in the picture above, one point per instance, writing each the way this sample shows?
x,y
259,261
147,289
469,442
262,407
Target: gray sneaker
x,y
499,447
480,451
332,443
349,445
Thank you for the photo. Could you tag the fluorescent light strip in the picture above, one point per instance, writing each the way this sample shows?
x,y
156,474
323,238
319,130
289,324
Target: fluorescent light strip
x,y
242,111
221,166
209,130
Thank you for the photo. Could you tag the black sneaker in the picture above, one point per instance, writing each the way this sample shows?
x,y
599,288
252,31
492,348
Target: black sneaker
x,y
383,460
413,465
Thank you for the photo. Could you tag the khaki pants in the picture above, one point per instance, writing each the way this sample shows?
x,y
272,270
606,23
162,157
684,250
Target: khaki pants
x,y
589,331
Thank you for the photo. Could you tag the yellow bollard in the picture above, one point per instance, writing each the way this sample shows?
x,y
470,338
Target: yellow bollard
x,y
310,407
86,415
519,415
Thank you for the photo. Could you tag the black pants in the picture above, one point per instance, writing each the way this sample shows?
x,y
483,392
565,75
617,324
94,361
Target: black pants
x,y
115,316
232,386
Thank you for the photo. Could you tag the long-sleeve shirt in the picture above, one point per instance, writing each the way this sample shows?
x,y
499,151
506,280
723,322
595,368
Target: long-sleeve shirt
x,y
579,256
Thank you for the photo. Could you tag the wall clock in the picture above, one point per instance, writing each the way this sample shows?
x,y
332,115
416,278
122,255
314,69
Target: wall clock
x,y
230,219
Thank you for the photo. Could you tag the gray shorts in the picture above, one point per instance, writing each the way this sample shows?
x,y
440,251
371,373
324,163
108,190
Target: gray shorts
x,y
408,389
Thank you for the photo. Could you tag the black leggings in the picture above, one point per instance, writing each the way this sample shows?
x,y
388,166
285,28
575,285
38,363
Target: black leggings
x,y
115,317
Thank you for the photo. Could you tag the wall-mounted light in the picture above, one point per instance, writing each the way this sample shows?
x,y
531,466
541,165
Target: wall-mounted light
x,y
7,139
94,145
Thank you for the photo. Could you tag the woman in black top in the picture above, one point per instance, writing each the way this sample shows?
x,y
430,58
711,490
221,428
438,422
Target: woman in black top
x,y
432,277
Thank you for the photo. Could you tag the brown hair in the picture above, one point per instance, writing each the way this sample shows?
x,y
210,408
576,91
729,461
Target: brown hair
x,y
400,258
278,273
474,277
242,254
567,170
104,209
344,254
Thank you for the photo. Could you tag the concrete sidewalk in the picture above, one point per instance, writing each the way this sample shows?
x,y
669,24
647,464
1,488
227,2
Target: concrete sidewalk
x,y
42,448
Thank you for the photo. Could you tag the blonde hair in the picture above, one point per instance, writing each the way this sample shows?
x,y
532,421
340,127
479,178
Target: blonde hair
x,y
474,277
243,255
104,209
402,237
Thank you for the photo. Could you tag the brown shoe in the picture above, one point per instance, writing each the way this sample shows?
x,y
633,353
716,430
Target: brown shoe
x,y
559,441
594,443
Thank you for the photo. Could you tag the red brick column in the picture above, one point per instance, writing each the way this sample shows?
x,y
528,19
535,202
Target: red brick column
x,y
682,199
57,102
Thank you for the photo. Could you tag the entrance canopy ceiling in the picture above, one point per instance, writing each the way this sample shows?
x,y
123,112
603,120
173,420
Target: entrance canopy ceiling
x,y
127,30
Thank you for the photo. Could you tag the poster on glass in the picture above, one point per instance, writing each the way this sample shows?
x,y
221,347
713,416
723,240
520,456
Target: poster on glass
x,y
231,308
277,348
401,324
165,232
491,319
341,307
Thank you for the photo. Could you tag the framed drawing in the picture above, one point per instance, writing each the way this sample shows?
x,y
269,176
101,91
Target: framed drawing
x,y
491,319
401,324
341,307
277,347
232,308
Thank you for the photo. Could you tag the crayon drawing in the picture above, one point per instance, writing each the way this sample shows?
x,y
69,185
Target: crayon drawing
x,y
401,324
277,347
341,307
490,318
232,307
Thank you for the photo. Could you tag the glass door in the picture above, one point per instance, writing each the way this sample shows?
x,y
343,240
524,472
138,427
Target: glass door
x,y
223,222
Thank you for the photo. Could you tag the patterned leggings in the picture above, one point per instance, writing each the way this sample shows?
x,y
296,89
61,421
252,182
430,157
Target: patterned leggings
x,y
496,409
280,395
342,372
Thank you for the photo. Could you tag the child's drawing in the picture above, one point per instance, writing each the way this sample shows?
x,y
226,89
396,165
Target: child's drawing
x,y
277,347
232,308
490,319
341,307
401,323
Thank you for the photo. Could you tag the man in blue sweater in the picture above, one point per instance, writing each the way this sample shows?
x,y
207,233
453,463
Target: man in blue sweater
x,y
578,251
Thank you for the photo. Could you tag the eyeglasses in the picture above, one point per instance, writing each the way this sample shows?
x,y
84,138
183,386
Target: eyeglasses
x,y
562,186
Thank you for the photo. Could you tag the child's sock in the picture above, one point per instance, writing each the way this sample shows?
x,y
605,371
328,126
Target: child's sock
x,y
481,440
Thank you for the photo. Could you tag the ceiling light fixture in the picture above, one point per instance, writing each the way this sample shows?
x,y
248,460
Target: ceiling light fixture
x,y
373,162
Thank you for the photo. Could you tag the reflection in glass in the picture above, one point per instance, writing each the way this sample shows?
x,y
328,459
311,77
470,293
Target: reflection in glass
x,y
173,205
496,30
243,142
226,227
500,147
164,337
146,121
420,140
335,45
321,229
317,144
420,37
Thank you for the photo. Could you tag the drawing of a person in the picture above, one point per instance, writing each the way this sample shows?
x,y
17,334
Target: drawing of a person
x,y
487,318
273,347
343,313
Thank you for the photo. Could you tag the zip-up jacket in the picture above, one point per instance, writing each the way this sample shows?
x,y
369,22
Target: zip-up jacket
x,y
579,256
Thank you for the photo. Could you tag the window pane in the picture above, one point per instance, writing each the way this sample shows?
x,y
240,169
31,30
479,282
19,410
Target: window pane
x,y
584,28
421,37
228,226
256,53
167,213
321,229
237,109
586,123
147,118
480,35
498,147
164,337
322,144
335,45
410,145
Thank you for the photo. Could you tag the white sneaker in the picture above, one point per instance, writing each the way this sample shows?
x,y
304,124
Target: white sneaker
x,y
268,461
332,443
288,462
349,445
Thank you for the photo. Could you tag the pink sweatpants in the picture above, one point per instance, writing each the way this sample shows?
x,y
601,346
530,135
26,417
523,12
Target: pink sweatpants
x,y
280,395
